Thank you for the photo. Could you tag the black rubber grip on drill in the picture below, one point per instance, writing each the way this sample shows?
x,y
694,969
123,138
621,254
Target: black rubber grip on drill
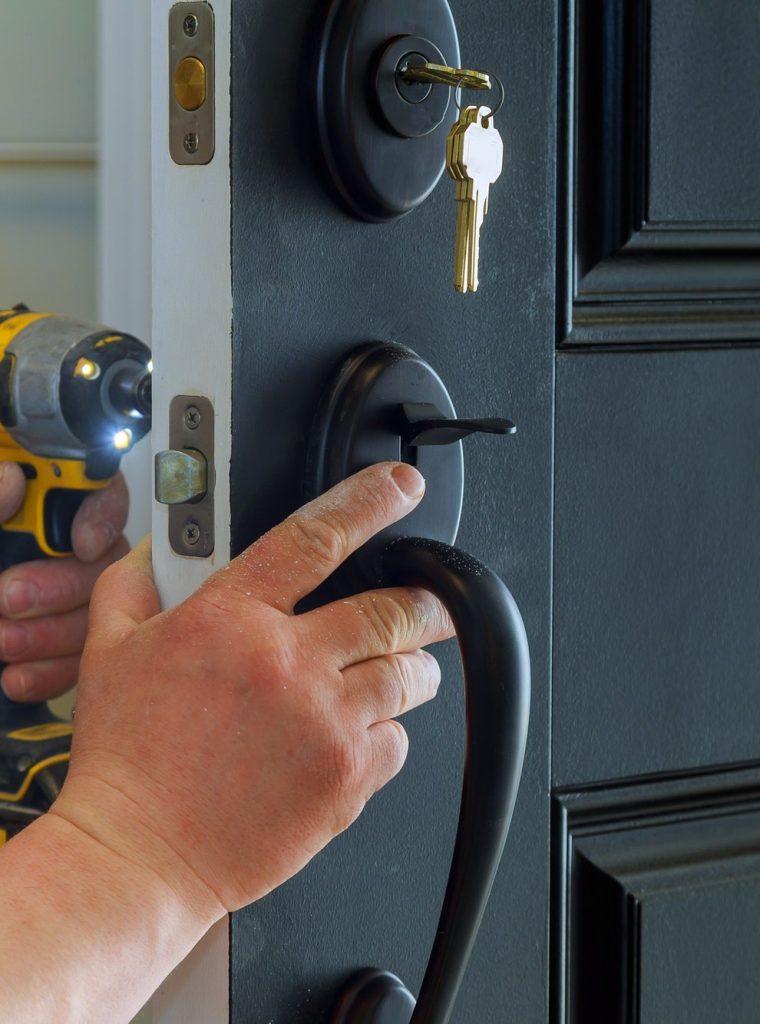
x,y
16,548
61,506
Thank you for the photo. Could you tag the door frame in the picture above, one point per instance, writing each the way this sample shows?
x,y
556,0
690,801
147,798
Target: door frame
x,y
192,345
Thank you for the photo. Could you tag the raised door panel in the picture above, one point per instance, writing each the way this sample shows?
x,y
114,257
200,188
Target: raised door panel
x,y
659,902
661,197
656,563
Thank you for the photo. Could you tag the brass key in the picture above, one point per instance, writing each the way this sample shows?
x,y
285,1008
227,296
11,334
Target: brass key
x,y
476,155
440,74
454,166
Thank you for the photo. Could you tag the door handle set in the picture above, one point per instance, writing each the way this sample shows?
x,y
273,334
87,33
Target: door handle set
x,y
384,403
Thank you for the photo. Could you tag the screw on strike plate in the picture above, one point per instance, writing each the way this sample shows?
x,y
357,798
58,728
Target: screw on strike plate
x,y
191,142
191,534
190,25
192,417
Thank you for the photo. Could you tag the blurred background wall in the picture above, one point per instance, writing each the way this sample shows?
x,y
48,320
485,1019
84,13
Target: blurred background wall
x,y
75,172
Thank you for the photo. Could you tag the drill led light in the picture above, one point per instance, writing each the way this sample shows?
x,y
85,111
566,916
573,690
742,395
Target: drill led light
x,y
150,366
122,439
87,369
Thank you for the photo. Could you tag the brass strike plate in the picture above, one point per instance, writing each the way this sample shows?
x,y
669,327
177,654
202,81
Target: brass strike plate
x,y
191,428
191,83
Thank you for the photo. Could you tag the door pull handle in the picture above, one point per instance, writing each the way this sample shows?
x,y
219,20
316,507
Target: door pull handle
x,y
496,662
383,402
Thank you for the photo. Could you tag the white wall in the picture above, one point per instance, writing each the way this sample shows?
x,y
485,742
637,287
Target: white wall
x,y
48,155
124,216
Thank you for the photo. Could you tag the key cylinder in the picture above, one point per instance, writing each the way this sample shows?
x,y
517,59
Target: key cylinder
x,y
383,140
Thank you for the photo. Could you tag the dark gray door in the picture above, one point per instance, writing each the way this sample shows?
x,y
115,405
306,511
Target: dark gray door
x,y
616,324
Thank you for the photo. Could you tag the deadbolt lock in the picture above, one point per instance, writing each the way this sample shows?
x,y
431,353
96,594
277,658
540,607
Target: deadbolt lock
x,y
191,83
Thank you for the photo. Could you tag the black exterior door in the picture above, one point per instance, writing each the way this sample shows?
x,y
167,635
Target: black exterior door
x,y
617,324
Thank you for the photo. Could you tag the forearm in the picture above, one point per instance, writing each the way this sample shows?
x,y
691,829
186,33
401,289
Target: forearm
x,y
86,935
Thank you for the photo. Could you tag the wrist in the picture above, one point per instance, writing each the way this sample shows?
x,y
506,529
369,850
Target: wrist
x,y
105,931
114,826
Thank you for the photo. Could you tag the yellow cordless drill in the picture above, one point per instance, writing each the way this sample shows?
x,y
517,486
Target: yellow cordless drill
x,y
74,398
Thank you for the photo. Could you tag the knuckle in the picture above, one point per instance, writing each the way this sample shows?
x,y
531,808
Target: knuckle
x,y
392,620
403,680
396,746
318,539
348,764
277,659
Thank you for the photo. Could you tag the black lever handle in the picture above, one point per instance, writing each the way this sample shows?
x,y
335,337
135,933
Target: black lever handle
x,y
422,423
496,661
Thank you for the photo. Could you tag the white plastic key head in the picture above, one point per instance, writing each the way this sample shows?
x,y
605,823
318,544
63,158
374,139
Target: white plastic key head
x,y
481,160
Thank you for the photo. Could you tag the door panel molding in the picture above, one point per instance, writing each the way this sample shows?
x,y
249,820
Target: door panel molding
x,y
656,889
634,273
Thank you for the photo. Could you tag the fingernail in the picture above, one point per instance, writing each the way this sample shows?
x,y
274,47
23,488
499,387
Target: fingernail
x,y
14,639
18,685
8,693
409,481
20,596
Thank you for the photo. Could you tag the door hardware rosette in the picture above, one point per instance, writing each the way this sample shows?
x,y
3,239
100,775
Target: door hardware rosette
x,y
384,72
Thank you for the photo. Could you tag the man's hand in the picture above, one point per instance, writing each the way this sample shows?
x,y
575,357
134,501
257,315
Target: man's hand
x,y
44,605
223,743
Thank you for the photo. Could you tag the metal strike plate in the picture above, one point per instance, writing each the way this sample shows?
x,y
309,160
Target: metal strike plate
x,y
191,430
191,83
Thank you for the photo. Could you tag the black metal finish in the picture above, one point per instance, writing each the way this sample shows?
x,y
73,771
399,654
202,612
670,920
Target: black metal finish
x,y
423,424
410,109
383,142
376,996
495,657
359,423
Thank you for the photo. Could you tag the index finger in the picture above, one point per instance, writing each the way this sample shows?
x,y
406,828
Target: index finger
x,y
293,559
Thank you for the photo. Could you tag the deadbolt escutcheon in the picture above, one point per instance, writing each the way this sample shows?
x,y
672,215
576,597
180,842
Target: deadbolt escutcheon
x,y
383,143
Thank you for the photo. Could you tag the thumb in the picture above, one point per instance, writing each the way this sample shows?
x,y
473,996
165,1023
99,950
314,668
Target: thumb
x,y
12,490
124,597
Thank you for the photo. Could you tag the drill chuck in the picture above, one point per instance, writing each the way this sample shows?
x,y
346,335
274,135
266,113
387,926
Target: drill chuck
x,y
131,392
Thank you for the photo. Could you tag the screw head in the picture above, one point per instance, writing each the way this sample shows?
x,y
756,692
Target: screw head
x,y
191,142
192,417
190,25
191,533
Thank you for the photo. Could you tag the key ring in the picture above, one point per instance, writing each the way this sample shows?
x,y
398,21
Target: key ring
x,y
494,78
